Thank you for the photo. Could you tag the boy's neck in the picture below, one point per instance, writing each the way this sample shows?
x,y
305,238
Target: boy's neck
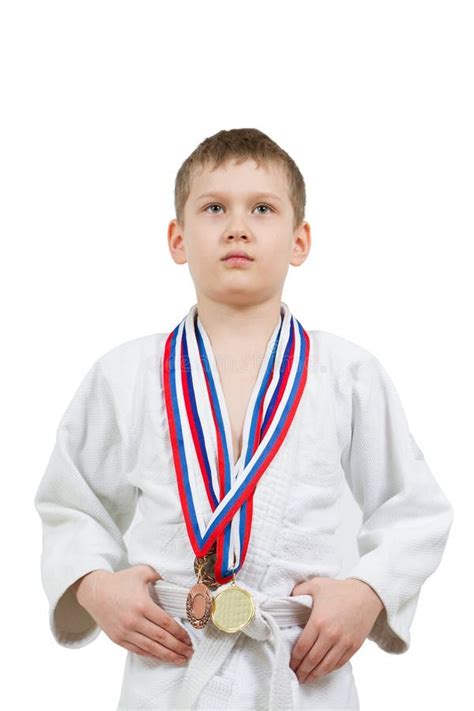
x,y
242,329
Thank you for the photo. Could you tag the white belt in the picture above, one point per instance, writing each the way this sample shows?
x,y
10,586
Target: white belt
x,y
271,613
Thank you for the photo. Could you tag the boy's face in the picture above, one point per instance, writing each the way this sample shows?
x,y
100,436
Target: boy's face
x,y
239,207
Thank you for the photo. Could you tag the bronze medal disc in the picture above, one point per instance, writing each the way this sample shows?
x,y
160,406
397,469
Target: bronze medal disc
x,y
198,605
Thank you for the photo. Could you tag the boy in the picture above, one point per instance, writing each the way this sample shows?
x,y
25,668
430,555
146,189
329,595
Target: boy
x,y
226,595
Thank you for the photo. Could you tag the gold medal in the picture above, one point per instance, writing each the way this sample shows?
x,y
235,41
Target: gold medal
x,y
232,608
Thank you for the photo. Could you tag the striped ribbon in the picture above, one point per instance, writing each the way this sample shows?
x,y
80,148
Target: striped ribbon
x,y
216,494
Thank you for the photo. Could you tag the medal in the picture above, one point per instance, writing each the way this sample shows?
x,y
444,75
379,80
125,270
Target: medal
x,y
198,604
232,608
199,599
216,495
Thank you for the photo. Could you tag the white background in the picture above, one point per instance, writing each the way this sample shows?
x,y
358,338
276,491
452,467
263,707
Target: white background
x,y
101,103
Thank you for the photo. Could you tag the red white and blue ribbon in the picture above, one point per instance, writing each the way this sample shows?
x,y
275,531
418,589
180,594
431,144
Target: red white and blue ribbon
x,y
216,495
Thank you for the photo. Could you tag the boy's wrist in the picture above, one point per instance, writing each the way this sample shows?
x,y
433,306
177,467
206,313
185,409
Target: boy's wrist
x,y
84,587
372,594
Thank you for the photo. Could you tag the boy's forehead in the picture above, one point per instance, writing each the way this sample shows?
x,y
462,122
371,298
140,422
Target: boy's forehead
x,y
234,178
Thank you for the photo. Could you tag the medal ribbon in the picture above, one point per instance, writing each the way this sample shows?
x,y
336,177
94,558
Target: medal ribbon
x,y
216,495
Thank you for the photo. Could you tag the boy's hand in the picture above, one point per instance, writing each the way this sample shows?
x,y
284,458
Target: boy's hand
x,y
121,605
342,616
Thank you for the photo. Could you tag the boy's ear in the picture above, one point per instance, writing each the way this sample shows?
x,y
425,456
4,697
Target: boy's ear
x,y
176,244
302,244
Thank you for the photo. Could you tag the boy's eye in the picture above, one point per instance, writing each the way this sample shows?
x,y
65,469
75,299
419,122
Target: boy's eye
x,y
215,204
263,204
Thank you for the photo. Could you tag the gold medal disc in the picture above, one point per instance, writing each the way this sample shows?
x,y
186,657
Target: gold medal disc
x,y
232,609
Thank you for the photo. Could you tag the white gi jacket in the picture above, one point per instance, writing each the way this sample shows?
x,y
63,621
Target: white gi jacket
x,y
111,472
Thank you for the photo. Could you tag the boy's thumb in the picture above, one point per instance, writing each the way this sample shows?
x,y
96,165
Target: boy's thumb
x,y
301,589
152,574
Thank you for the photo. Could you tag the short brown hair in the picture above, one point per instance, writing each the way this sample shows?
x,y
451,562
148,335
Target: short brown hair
x,y
240,144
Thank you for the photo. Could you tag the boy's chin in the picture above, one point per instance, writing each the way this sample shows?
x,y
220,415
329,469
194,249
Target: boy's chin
x,y
234,296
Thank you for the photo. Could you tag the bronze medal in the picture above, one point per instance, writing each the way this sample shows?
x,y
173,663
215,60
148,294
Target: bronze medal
x,y
198,605
199,598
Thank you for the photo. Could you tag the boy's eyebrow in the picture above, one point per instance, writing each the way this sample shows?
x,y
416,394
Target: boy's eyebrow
x,y
270,196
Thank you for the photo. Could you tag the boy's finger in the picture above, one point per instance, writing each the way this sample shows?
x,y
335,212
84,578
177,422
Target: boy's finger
x,y
156,649
156,614
325,663
137,650
157,634
303,644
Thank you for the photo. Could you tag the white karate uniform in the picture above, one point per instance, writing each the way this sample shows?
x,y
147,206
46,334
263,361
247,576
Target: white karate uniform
x,y
111,472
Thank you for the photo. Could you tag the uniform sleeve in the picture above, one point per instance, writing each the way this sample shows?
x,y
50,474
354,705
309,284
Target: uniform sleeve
x,y
85,504
406,517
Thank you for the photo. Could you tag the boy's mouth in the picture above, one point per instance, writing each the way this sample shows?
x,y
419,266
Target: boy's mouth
x,y
237,256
